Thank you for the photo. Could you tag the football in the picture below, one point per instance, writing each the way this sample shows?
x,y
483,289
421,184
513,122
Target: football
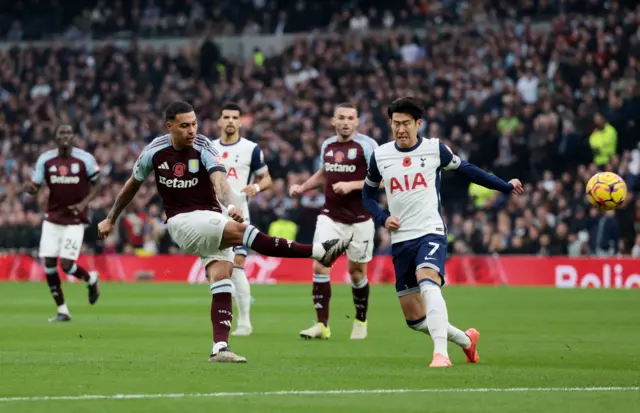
x,y
606,191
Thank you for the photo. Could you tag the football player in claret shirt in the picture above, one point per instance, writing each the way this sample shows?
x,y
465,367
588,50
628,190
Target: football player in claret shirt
x,y
72,176
192,183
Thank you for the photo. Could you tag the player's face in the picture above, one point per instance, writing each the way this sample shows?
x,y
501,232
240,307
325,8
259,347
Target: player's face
x,y
184,128
345,120
405,129
229,122
64,136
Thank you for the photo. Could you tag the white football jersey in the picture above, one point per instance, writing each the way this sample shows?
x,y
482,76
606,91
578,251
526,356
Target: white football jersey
x,y
243,161
412,182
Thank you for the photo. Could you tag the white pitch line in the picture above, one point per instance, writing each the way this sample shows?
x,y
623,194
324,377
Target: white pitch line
x,y
315,393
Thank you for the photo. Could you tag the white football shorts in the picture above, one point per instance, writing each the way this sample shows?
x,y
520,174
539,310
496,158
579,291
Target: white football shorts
x,y
61,241
200,233
361,248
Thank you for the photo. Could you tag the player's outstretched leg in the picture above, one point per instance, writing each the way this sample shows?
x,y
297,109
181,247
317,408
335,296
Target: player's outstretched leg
x,y
219,273
241,234
55,287
242,290
90,277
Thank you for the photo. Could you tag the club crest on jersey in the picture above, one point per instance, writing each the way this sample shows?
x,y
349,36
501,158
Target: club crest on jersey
x,y
75,168
194,166
339,156
178,169
353,153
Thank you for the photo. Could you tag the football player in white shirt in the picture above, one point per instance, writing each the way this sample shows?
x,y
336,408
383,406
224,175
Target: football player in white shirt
x,y
410,168
247,175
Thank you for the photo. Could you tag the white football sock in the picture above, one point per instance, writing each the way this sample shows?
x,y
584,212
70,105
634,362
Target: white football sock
x,y
458,336
62,309
453,334
437,317
243,296
218,346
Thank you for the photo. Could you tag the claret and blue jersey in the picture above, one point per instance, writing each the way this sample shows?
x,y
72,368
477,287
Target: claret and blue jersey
x,y
412,184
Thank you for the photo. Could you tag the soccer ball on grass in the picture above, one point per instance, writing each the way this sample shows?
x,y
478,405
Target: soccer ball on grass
x,y
606,191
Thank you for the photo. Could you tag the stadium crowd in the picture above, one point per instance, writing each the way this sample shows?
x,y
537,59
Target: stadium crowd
x,y
548,107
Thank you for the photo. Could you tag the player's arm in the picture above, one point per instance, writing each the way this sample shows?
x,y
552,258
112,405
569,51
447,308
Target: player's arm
x,y
261,171
218,175
32,186
141,171
316,180
369,191
450,161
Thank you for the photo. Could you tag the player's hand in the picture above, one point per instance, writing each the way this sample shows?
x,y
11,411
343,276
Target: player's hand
x,y
250,190
517,187
236,214
342,188
30,188
105,228
392,224
78,208
296,190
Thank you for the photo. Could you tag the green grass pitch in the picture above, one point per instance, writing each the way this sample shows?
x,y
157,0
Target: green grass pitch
x,y
154,339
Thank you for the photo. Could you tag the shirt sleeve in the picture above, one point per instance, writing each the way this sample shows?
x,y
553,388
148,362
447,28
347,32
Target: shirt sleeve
x,y
143,166
91,165
373,178
369,147
322,149
448,160
38,171
258,166
211,159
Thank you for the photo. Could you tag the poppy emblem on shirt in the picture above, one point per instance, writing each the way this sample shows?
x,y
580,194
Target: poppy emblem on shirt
x,y
194,166
178,169
225,155
63,170
406,162
339,157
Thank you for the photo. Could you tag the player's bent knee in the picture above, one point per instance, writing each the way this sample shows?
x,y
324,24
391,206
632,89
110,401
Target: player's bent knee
x,y
66,264
320,269
428,273
218,270
357,271
232,234
239,260
415,324
413,306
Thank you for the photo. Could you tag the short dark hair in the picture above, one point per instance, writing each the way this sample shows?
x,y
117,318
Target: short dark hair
x,y
407,105
231,106
63,125
176,108
345,105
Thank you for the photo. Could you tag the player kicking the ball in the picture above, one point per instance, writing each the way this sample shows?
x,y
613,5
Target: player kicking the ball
x,y
72,176
244,161
344,167
190,179
410,168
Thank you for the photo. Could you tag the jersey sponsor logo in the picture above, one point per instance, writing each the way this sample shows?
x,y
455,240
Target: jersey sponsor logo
x,y
194,166
178,183
353,153
65,180
178,169
339,157
232,173
406,162
75,168
334,167
407,183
